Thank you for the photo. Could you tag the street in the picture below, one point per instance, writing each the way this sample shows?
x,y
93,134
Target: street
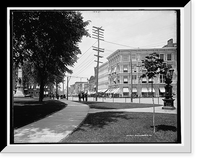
x,y
128,100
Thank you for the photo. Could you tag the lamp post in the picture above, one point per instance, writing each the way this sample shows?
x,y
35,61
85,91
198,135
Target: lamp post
x,y
168,100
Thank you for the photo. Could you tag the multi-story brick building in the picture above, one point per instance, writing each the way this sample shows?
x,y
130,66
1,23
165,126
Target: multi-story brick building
x,y
117,71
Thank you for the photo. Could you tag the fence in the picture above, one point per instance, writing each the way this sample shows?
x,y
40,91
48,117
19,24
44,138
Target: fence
x,y
157,100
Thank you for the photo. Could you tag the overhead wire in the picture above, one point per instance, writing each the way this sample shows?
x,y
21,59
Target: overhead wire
x,y
85,66
82,62
87,50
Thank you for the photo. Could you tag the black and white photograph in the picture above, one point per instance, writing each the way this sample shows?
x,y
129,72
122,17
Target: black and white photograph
x,y
95,76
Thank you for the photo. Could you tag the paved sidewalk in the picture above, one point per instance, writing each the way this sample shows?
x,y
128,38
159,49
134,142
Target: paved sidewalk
x,y
55,127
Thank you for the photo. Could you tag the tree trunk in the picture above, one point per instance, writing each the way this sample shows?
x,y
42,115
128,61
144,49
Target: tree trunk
x,y
41,96
154,127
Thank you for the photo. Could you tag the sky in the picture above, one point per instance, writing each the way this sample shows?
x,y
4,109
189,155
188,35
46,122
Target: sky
x,y
122,30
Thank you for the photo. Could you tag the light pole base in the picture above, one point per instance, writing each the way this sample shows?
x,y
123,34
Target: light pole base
x,y
168,108
168,104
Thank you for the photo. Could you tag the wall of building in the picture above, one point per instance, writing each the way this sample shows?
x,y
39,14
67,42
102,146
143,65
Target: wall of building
x,y
119,68
103,77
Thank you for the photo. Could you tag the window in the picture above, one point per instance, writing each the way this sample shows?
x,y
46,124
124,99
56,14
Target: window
x,y
125,58
138,57
134,77
125,79
162,78
169,57
133,57
134,68
118,67
125,68
144,80
162,56
151,80
125,92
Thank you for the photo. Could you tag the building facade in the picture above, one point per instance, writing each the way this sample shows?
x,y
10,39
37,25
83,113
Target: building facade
x,y
119,72
103,77
78,87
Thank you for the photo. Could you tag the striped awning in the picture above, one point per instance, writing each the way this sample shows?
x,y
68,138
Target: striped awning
x,y
102,90
109,91
116,91
162,89
145,90
150,90
125,90
134,90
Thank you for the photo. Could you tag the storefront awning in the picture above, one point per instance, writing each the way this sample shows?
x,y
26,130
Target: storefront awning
x,y
134,90
109,91
144,90
116,91
125,90
102,90
162,89
91,92
150,90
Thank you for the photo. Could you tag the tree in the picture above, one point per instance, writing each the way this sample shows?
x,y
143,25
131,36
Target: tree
x,y
154,66
49,40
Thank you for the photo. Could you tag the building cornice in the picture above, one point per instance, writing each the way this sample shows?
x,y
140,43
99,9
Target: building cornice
x,y
140,49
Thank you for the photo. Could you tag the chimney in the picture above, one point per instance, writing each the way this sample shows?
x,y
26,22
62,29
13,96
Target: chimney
x,y
170,43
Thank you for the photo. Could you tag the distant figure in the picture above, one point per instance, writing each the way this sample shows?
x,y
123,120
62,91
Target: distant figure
x,y
86,96
79,96
83,95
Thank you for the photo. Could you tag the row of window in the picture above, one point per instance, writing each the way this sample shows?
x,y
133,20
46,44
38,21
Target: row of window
x,y
134,78
135,57
135,68
140,57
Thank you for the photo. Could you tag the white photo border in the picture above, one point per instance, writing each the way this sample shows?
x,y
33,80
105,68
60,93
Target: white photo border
x,y
184,147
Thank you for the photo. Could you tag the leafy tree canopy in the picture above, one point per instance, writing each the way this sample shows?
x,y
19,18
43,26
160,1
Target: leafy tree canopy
x,y
154,65
47,39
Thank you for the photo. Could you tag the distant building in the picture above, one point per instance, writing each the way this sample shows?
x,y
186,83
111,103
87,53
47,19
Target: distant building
x,y
92,84
103,78
80,86
115,75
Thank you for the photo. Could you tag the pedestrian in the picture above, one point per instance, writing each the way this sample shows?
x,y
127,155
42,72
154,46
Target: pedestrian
x,y
83,95
86,97
79,96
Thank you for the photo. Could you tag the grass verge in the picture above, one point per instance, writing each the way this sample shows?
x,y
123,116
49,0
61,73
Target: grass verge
x,y
125,127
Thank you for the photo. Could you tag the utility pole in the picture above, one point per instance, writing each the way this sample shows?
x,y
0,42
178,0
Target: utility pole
x,y
63,86
68,78
97,33
131,78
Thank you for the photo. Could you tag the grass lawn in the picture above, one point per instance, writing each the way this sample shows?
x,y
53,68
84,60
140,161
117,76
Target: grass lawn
x,y
28,110
115,105
125,127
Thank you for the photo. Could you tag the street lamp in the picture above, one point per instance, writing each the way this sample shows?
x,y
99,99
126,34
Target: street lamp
x,y
168,100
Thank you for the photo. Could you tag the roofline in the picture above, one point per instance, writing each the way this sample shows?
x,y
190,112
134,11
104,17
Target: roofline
x,y
140,49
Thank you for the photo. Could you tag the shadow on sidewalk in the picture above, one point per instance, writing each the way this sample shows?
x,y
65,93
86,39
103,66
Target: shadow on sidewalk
x,y
29,111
